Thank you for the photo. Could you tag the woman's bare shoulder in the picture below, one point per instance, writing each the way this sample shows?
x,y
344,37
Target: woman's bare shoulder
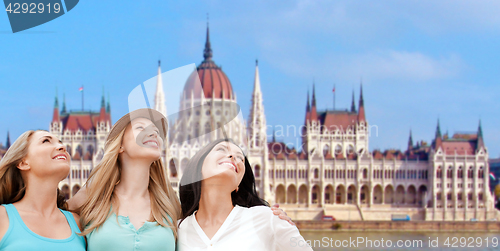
x,y
77,219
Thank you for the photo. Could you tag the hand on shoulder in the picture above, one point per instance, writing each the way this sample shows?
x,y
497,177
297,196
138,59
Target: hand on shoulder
x,y
4,221
281,214
78,199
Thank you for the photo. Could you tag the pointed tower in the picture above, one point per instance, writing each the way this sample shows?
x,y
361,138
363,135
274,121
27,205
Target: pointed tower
x,y
55,114
257,127
56,124
258,149
353,105
207,52
438,140
410,142
102,112
313,114
64,104
108,107
7,144
361,112
480,141
160,95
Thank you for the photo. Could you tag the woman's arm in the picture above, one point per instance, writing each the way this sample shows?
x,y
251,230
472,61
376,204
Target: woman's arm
x,y
4,222
288,237
77,200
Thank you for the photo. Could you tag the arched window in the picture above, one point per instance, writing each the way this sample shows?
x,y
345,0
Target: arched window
x,y
338,149
449,172
326,150
470,173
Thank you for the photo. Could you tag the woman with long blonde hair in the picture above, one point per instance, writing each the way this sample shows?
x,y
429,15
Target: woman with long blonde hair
x,y
33,215
128,202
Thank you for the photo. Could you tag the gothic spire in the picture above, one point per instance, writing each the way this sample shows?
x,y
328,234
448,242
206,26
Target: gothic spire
x,y
108,107
257,129
159,94
55,114
438,130
480,140
353,106
207,52
64,104
314,96
361,111
438,139
410,142
7,145
103,102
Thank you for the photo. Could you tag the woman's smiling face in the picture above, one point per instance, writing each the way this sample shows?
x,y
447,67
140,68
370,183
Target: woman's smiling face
x,y
142,140
47,156
225,161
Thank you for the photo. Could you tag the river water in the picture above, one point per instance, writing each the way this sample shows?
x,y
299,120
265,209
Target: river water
x,y
379,240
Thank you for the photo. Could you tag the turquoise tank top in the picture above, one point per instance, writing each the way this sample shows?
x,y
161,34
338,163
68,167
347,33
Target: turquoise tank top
x,y
20,237
118,233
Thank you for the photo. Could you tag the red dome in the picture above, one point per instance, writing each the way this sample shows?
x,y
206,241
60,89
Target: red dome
x,y
214,81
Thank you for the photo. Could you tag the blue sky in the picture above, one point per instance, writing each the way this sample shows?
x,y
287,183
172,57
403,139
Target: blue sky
x,y
418,60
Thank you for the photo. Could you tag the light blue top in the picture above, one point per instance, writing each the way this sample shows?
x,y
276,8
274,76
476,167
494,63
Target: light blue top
x,y
20,237
118,233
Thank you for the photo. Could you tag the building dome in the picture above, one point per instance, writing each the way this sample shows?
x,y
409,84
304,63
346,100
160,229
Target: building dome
x,y
213,80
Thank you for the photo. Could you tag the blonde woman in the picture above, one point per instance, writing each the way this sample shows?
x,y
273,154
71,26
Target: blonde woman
x,y
32,215
128,202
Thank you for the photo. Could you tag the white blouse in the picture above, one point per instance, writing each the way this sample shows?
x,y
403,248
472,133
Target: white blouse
x,y
255,228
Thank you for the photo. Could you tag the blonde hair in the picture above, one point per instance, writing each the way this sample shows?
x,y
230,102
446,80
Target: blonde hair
x,y
101,185
12,185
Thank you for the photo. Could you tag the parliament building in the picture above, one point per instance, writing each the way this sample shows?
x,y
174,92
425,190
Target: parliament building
x,y
333,172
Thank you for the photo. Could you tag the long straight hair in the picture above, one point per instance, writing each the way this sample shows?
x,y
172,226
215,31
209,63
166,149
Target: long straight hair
x,y
165,205
190,185
12,185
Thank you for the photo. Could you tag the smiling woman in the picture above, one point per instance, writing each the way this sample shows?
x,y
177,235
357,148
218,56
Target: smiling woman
x,y
32,215
221,209
128,202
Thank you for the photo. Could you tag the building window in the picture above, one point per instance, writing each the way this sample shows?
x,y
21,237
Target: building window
x,y
470,172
